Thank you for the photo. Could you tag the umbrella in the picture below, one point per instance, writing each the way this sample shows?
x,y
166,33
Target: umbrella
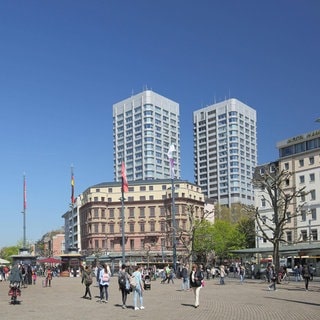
x,y
3,261
49,260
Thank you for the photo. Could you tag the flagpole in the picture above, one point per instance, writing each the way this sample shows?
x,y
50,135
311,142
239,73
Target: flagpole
x,y
173,209
122,226
124,188
72,209
24,211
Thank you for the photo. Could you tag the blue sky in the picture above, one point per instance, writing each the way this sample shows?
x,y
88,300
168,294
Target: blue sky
x,y
65,63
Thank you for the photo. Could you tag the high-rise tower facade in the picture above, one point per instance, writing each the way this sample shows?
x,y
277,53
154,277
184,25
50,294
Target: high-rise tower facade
x,y
225,151
144,127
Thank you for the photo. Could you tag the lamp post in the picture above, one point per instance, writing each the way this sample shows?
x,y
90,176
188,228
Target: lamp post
x,y
122,227
309,231
172,175
173,212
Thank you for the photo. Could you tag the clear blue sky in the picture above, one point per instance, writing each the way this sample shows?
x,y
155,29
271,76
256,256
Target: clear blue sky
x,y
65,63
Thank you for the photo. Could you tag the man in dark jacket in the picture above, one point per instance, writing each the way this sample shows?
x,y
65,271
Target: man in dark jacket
x,y
306,274
185,278
15,274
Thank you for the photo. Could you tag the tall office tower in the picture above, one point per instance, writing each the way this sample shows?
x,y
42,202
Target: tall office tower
x,y
225,151
144,127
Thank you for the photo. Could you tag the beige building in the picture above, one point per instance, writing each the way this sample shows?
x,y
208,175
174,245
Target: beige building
x,y
148,218
300,156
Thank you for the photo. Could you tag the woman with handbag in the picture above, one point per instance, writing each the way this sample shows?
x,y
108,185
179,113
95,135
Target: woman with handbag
x,y
196,277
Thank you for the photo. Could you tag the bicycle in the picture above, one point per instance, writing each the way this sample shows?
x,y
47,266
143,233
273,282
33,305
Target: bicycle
x,y
284,278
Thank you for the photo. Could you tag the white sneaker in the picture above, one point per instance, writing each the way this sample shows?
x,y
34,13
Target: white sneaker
x,y
142,307
136,308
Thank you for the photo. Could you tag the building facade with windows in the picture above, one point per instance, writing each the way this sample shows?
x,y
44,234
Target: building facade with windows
x,y
144,127
225,151
148,218
71,227
299,155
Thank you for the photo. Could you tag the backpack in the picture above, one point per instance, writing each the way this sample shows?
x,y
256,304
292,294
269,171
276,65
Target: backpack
x,y
105,277
122,280
133,282
88,279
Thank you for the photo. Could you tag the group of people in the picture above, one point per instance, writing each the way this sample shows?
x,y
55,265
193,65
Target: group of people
x,y
167,275
305,272
191,280
132,283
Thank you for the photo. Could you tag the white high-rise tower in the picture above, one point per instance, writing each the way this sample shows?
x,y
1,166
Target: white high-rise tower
x,y
225,151
144,127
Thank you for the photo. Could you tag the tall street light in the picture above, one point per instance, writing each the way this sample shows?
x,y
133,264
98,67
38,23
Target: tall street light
x,y
173,213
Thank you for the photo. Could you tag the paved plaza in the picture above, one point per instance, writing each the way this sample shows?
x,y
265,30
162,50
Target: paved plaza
x,y
232,301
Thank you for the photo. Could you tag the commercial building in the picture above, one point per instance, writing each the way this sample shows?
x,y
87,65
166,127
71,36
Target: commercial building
x,y
148,219
71,227
225,151
144,127
300,156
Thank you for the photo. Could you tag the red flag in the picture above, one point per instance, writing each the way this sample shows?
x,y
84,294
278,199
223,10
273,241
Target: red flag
x,y
24,193
72,188
125,187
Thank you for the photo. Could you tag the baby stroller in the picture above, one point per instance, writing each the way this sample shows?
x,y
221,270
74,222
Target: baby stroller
x,y
14,292
147,282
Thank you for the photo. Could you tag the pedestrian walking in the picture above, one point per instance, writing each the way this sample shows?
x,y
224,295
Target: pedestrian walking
x,y
242,273
34,276
124,285
171,276
138,290
185,286
196,277
306,276
222,274
97,270
87,281
273,277
48,277
104,282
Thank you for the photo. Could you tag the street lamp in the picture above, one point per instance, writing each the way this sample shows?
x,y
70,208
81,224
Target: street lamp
x,y
173,224
309,231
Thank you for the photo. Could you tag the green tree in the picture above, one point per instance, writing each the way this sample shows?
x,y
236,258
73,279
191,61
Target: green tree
x,y
203,242
226,237
246,227
234,213
7,252
187,237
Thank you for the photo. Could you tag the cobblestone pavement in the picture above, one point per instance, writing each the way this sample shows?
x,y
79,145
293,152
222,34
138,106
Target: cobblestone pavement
x,y
231,301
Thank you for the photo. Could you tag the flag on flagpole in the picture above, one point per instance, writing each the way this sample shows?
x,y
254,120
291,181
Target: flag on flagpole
x,y
171,160
24,193
125,186
72,188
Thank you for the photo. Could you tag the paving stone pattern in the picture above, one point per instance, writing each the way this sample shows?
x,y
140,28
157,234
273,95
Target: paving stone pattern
x,y
232,301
